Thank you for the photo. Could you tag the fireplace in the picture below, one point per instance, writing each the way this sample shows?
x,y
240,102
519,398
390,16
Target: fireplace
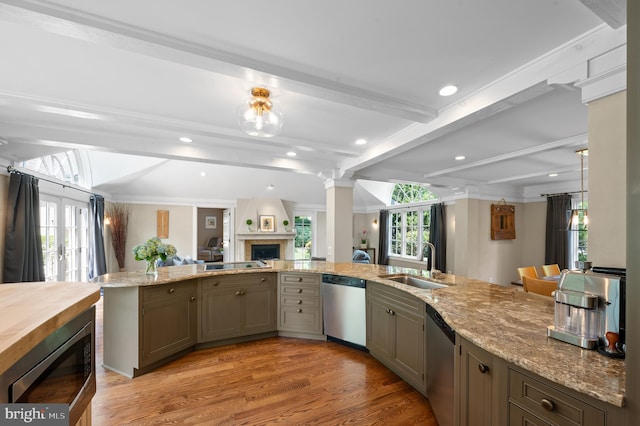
x,y
265,251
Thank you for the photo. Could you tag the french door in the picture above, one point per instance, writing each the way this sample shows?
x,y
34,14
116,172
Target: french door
x,y
64,229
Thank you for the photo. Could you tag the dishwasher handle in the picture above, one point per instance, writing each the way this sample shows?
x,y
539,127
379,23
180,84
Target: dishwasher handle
x,y
441,323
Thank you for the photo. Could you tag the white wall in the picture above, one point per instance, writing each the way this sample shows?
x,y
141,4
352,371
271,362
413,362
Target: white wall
x,y
607,181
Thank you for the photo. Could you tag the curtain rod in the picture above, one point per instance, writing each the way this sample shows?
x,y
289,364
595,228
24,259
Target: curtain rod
x,y
12,169
562,193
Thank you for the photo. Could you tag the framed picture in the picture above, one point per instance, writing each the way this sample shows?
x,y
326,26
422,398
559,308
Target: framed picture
x,y
163,224
210,222
267,224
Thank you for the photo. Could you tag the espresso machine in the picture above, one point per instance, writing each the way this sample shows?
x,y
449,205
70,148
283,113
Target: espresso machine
x,y
590,311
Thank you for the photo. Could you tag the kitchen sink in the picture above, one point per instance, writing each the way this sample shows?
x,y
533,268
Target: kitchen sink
x,y
414,281
235,265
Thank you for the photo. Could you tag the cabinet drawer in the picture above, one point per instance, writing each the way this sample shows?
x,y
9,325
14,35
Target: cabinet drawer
x,y
300,279
300,289
550,403
223,281
164,290
395,298
293,300
301,319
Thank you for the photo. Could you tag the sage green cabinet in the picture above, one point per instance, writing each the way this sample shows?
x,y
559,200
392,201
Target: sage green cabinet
x,y
169,320
491,391
237,305
396,332
300,305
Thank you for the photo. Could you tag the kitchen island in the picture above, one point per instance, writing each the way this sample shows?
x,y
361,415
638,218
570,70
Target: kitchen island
x,y
510,325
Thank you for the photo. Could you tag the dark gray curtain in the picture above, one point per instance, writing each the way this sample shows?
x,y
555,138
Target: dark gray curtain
x,y
556,247
97,259
22,242
383,242
438,235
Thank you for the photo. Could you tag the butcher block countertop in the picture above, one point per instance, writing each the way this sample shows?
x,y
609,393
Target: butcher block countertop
x,y
29,312
499,319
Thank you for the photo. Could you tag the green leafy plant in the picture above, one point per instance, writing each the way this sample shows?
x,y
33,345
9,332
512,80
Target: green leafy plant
x,y
285,222
249,222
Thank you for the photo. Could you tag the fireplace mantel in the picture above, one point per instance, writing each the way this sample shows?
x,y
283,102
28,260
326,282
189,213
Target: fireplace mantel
x,y
265,236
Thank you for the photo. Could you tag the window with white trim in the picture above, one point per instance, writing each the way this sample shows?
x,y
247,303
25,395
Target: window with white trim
x,y
409,226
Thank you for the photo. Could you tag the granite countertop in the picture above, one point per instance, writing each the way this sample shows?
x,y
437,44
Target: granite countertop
x,y
501,320
32,311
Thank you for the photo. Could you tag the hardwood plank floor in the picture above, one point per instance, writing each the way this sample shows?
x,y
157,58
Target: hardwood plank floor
x,y
273,381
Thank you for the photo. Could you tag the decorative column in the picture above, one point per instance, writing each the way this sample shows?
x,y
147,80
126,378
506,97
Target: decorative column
x,y
339,220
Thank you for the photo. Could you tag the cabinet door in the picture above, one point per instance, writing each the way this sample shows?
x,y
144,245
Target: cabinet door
x,y
169,321
221,313
476,386
380,329
259,302
409,347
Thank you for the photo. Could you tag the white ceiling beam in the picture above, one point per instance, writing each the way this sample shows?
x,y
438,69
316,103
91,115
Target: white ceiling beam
x,y
577,140
83,26
613,12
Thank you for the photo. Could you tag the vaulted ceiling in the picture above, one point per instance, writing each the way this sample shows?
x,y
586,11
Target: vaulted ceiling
x,y
125,80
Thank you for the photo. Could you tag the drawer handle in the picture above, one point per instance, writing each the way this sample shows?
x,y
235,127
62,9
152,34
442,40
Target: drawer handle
x,y
299,279
548,404
299,311
192,298
262,279
240,293
390,312
483,368
171,290
215,283
299,302
299,290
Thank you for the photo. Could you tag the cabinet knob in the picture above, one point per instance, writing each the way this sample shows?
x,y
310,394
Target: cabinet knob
x,y
263,279
299,311
238,293
548,404
299,290
192,298
215,283
483,368
299,279
390,312
299,302
171,290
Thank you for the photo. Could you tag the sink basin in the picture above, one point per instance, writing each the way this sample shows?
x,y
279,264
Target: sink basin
x,y
234,265
414,281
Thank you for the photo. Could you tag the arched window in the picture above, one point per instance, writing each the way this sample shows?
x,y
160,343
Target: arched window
x,y
409,227
406,193
69,166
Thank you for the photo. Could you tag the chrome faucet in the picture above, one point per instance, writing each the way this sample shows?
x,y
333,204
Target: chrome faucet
x,y
433,272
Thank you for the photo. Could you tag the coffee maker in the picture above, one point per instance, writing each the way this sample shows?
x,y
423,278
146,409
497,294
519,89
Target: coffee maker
x,y
590,311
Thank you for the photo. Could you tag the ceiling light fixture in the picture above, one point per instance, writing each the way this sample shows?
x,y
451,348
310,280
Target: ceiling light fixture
x,y
460,157
258,117
361,142
553,174
448,90
581,210
291,154
270,187
185,139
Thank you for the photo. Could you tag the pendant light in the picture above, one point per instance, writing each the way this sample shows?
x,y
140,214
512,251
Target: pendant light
x,y
258,117
575,213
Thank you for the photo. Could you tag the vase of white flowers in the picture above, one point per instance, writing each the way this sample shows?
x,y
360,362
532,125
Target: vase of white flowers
x,y
152,250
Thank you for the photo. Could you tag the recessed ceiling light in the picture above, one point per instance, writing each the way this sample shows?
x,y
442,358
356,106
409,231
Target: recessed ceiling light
x,y
448,90
270,187
186,139
291,154
361,141
460,157
203,174
553,174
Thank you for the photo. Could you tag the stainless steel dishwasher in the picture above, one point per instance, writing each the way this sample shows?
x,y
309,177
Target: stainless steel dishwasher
x,y
344,309
440,357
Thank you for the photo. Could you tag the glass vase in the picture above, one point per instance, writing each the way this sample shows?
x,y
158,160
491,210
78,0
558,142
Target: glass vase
x,y
151,267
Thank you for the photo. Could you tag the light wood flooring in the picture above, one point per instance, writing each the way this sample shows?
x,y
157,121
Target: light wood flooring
x,y
272,381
